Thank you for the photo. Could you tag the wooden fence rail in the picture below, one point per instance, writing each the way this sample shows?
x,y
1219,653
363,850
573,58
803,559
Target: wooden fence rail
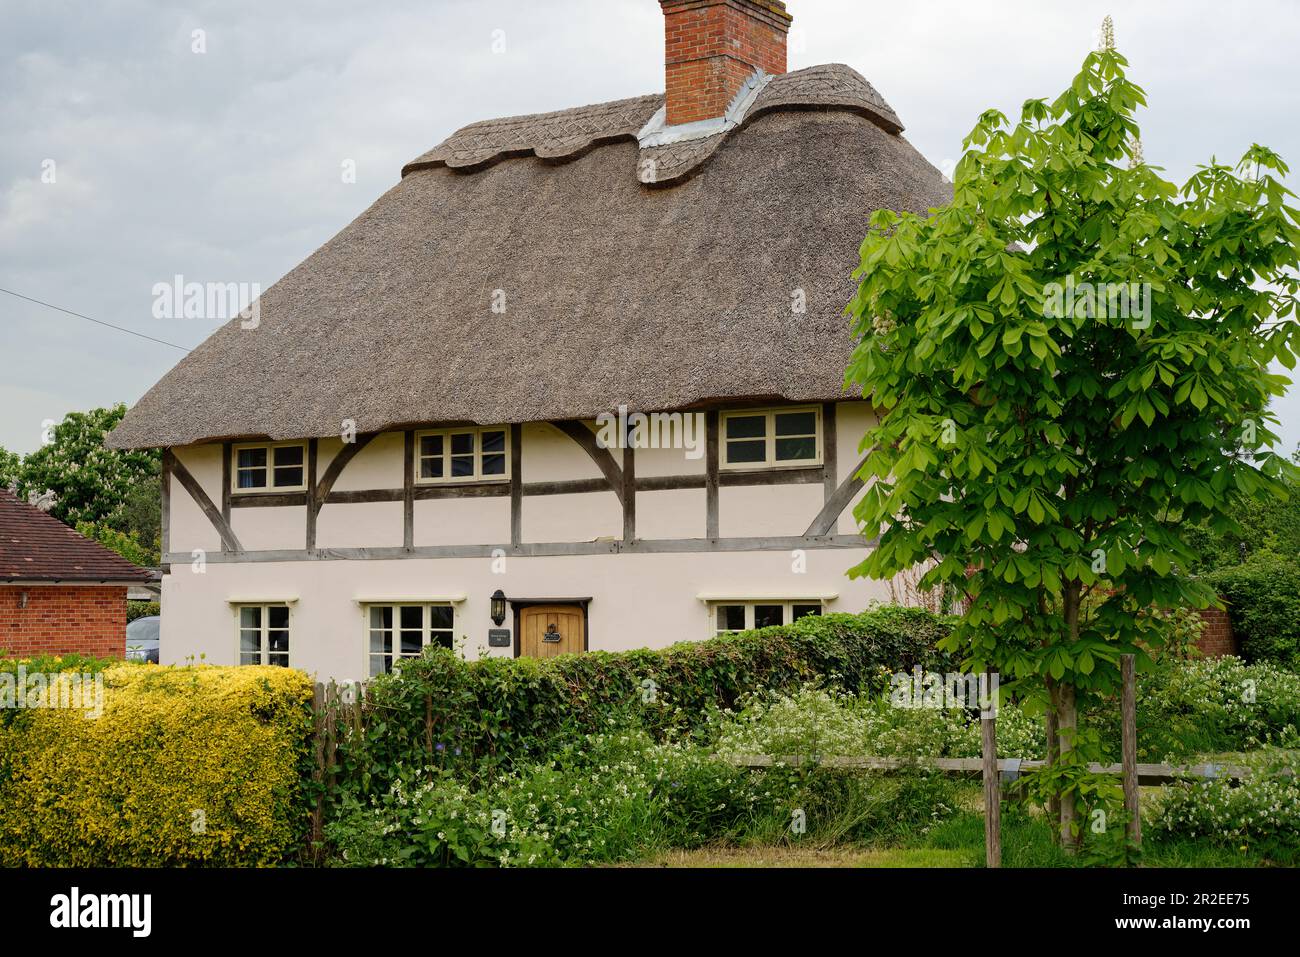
x,y
1008,768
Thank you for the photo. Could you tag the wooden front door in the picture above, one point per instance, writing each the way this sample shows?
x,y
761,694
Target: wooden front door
x,y
549,630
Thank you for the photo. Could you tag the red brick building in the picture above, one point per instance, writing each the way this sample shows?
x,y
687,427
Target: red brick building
x,y
59,592
1217,638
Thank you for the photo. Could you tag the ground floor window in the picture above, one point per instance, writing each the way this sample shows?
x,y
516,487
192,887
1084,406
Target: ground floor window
x,y
401,631
742,616
264,635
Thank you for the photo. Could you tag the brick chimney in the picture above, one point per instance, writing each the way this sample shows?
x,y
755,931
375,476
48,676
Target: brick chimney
x,y
713,46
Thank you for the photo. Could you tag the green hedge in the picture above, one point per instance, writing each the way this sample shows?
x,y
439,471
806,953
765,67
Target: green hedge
x,y
497,712
45,663
142,609
1267,526
1263,599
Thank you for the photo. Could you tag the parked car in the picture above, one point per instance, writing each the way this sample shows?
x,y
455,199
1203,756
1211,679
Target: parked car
x,y
142,639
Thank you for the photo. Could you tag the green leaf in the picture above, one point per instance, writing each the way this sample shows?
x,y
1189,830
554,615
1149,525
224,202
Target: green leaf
x,y
1102,432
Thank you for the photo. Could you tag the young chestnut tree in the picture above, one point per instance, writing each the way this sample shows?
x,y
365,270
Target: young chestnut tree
x,y
1071,361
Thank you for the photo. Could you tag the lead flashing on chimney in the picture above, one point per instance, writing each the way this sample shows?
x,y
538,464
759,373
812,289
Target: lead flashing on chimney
x,y
657,133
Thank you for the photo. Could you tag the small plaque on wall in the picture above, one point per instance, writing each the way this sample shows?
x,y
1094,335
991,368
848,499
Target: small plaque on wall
x,y
498,637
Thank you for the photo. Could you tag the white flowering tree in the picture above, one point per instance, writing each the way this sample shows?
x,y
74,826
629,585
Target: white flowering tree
x,y
91,483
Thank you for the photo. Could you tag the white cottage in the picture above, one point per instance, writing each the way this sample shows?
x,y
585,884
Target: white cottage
x,y
574,383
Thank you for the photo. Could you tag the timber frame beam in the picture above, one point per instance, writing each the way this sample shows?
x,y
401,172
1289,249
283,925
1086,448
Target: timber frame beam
x,y
621,480
542,549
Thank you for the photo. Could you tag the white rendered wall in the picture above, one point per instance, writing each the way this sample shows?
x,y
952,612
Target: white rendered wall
x,y
852,421
638,600
190,528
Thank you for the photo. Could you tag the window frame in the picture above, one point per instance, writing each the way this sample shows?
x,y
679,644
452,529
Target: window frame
x,y
749,604
264,630
769,439
478,478
270,488
426,630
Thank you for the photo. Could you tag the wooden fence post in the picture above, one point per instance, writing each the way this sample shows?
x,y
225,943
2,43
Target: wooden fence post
x,y
992,784
334,717
428,731
318,742
1132,795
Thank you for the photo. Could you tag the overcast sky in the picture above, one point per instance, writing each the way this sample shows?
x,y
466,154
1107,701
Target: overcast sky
x,y
226,165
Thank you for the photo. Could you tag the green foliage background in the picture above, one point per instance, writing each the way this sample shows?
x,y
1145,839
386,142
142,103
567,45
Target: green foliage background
x,y
1263,600
498,712
1255,569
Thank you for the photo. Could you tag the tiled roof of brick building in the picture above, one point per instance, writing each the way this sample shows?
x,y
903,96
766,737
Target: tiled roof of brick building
x,y
37,547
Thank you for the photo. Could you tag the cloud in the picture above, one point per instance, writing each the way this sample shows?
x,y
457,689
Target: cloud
x,y
226,165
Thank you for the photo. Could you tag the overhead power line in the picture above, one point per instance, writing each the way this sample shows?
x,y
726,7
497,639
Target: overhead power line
x,y
98,322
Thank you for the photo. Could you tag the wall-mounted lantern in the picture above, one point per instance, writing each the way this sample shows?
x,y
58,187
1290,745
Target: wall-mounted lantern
x,y
498,607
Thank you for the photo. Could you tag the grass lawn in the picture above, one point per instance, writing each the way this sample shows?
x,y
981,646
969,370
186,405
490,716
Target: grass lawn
x,y
958,842
794,856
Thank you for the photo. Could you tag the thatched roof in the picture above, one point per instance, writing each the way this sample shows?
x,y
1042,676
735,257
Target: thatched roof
x,y
568,134
662,285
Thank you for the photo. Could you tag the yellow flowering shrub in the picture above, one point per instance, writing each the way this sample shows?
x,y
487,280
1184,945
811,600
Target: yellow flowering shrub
x,y
185,765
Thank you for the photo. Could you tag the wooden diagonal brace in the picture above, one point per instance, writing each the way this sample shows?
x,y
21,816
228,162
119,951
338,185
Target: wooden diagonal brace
x,y
228,540
604,461
830,513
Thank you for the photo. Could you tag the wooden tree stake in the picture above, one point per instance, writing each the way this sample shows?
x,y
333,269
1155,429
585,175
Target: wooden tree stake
x,y
992,785
1053,753
1132,796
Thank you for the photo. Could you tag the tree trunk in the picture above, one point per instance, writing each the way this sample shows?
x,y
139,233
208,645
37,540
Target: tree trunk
x,y
1067,720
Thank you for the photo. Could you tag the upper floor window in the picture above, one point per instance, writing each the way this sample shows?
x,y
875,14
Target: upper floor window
x,y
773,438
744,616
462,455
264,635
280,467
396,631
